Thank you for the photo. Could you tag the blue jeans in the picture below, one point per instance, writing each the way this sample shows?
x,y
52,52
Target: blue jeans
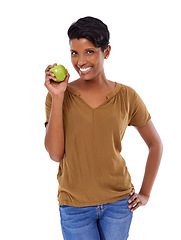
x,y
101,222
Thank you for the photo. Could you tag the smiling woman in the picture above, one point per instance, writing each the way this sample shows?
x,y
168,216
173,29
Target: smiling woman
x,y
86,121
89,47
87,59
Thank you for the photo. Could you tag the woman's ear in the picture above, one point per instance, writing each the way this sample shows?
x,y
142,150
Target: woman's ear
x,y
107,52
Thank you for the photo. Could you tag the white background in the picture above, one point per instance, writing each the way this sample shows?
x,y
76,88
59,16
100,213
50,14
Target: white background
x,y
146,55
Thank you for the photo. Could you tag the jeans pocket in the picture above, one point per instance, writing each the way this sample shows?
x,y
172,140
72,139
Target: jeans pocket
x,y
121,205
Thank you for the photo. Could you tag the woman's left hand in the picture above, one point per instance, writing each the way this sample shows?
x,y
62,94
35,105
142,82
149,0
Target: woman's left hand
x,y
137,200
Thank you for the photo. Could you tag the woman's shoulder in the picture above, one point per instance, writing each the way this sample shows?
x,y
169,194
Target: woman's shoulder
x,y
74,85
126,89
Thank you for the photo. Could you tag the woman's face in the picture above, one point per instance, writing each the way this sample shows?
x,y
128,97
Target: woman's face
x,y
86,58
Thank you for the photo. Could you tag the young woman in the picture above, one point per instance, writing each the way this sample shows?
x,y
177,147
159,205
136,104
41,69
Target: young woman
x,y
85,123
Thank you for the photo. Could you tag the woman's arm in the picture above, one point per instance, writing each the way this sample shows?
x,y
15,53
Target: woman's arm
x,y
154,143
54,138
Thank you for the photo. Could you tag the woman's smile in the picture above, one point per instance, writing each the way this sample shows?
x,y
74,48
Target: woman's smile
x,y
87,59
85,70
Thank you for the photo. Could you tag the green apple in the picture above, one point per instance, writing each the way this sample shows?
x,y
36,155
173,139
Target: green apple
x,y
60,72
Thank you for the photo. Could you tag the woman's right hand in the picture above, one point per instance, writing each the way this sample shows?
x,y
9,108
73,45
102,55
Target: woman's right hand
x,y
55,88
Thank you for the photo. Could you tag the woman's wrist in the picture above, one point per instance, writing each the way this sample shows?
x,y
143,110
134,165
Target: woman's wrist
x,y
147,195
58,97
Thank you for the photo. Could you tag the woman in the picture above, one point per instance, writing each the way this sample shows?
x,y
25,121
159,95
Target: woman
x,y
86,121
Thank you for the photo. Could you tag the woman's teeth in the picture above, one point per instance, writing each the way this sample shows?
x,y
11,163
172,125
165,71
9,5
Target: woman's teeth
x,y
85,69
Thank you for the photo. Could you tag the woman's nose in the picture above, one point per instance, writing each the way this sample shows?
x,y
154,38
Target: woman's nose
x,y
81,61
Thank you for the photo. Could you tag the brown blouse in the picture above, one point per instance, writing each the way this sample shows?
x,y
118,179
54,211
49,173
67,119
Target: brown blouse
x,y
92,170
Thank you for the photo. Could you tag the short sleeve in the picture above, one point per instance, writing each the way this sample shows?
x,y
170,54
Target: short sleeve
x,y
138,113
48,103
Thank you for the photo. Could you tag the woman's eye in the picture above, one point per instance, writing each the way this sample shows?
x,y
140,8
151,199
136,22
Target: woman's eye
x,y
73,53
90,51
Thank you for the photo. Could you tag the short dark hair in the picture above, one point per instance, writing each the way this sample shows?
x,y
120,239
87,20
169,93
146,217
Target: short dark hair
x,y
92,29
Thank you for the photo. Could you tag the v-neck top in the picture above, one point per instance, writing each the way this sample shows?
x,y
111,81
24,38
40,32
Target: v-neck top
x,y
112,93
92,170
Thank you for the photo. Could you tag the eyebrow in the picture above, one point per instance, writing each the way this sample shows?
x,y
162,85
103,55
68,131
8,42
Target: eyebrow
x,y
92,48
